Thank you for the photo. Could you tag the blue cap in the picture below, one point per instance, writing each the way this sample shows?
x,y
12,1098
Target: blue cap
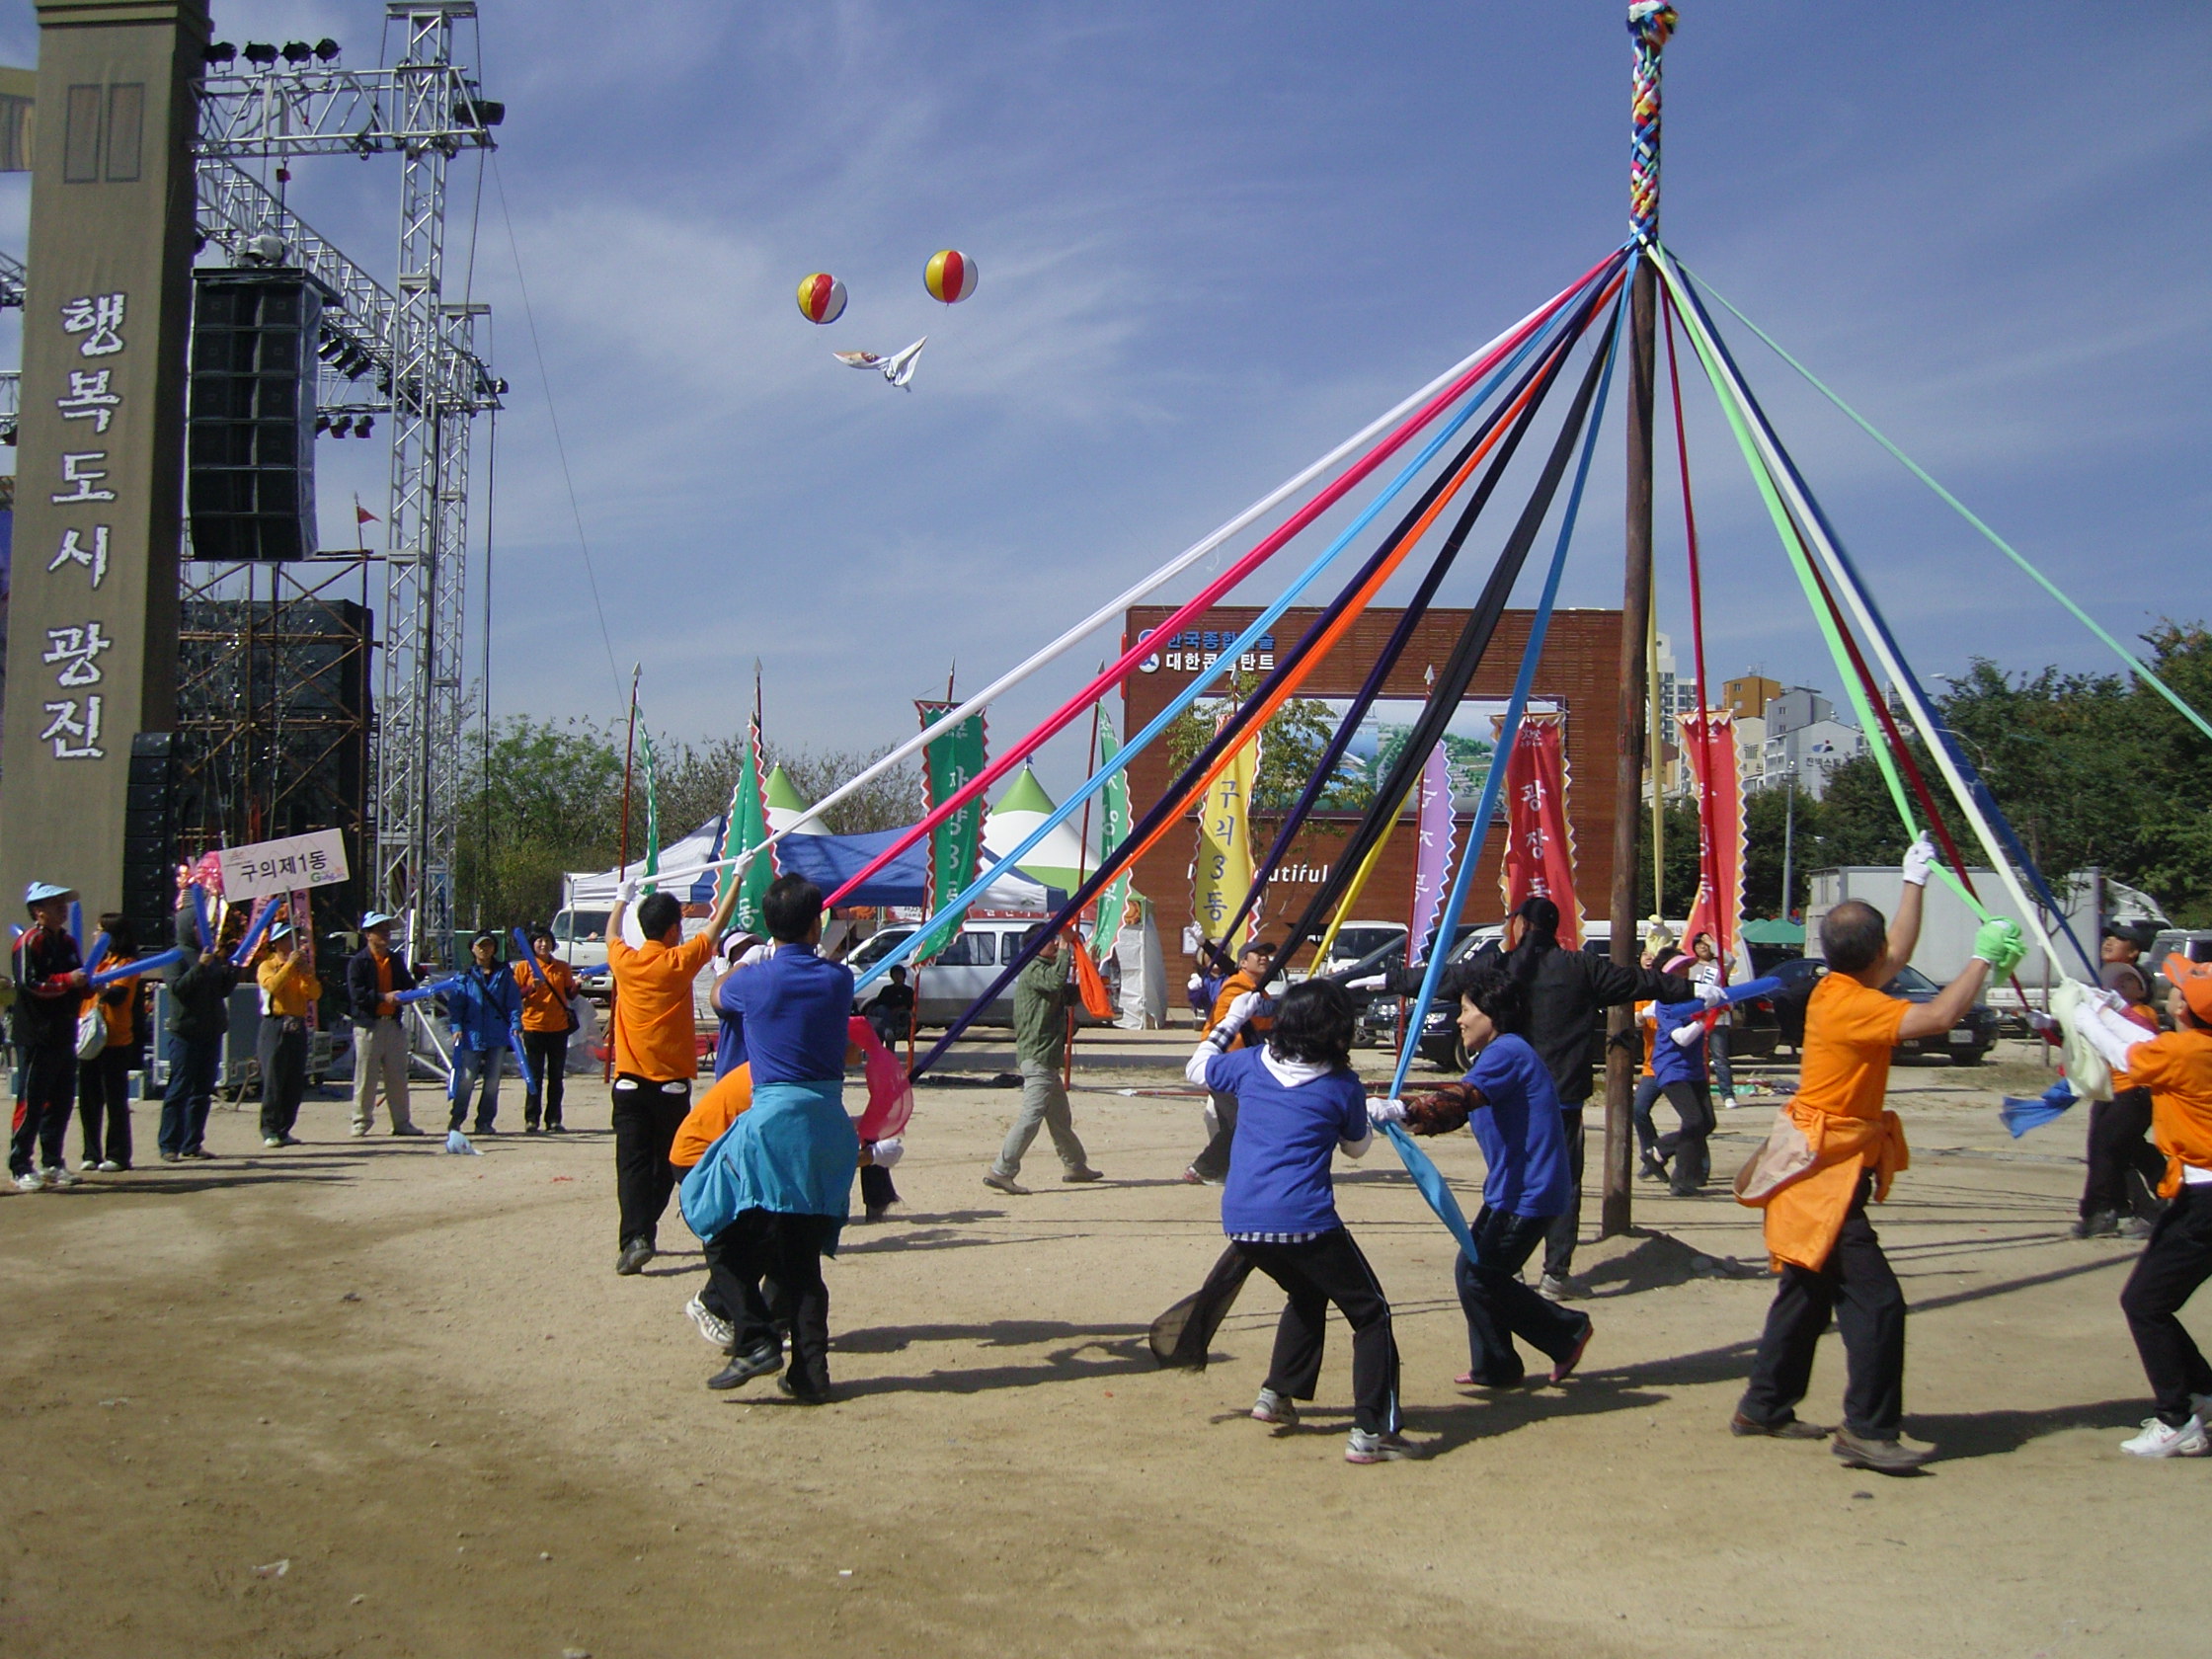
x,y
39,891
378,918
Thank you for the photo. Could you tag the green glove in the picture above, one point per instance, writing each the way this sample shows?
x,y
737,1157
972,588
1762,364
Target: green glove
x,y
2000,944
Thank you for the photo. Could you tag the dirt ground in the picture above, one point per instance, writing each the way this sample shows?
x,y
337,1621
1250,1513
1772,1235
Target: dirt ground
x,y
361,1397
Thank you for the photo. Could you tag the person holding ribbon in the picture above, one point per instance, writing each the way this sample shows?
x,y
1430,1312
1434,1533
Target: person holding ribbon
x,y
104,1080
288,988
49,983
547,985
485,1011
1834,1148
374,976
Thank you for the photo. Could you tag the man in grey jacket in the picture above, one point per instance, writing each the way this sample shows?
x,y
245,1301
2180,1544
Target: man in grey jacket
x,y
1042,993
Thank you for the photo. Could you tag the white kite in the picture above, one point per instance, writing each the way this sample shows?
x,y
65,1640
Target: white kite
x,y
897,368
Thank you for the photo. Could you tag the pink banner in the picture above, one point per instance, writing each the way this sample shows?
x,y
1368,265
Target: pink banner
x,y
1539,839
1710,742
1432,863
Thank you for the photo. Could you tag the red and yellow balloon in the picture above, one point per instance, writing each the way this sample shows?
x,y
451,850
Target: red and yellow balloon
x,y
950,275
822,298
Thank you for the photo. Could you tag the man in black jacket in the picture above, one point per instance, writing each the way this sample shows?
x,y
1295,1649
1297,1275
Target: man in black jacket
x,y
1567,991
373,976
50,987
199,1016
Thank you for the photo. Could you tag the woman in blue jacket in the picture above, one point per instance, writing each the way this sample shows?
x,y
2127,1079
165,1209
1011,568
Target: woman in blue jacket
x,y
485,1014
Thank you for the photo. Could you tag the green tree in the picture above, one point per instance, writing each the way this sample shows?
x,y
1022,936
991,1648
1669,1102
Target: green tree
x,y
548,798
1292,745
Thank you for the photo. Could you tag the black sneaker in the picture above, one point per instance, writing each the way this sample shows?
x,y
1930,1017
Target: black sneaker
x,y
1790,1428
530,1128
804,1396
2100,1224
556,1129
2137,1226
743,1368
1653,1169
634,1256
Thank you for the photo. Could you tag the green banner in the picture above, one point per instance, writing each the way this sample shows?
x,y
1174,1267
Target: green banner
x,y
1113,830
744,827
652,811
948,762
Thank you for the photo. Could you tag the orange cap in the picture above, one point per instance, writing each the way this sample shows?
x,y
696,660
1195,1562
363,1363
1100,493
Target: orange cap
x,y
2195,982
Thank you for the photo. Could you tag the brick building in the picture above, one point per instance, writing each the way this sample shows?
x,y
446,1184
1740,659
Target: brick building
x,y
1579,675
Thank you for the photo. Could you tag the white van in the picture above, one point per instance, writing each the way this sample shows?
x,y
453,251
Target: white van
x,y
977,955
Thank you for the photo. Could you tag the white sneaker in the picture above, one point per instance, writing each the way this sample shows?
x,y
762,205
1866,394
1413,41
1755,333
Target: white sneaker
x,y
712,1326
108,1166
61,1175
2201,1404
273,1140
1361,1447
30,1181
357,1131
1727,1103
1272,1407
2159,1441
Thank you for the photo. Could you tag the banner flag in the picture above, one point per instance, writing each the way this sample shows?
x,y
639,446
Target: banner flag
x,y
745,825
1709,738
651,813
1224,872
1113,830
1539,837
1432,858
948,763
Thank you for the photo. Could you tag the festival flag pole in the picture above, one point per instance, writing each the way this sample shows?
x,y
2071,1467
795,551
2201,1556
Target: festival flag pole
x,y
1083,869
622,856
1650,22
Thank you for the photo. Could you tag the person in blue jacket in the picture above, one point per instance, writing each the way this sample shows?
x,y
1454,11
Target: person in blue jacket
x,y
1299,1103
1509,1100
1678,1064
485,1014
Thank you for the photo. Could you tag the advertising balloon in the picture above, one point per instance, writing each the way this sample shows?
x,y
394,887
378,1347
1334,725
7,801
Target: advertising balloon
x,y
822,298
950,275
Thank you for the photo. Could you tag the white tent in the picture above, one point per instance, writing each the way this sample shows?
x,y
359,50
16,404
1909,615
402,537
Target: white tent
x,y
1055,860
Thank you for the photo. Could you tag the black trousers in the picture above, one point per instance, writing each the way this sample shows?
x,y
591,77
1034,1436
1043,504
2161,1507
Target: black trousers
x,y
2125,1169
104,1105
1687,1145
1212,1163
1856,1286
875,1187
1499,1307
1312,1275
766,1268
50,1088
647,1115
1558,1241
548,1055
2178,1260
282,1048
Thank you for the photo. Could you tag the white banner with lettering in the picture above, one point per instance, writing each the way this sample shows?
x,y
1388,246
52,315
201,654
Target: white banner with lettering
x,y
316,860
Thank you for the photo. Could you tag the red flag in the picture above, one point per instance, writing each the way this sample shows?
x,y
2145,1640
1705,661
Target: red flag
x,y
362,514
1539,839
1710,739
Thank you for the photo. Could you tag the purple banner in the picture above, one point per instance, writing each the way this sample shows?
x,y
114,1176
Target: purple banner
x,y
1431,866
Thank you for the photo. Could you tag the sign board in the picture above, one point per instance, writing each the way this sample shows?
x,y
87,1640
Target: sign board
x,y
297,862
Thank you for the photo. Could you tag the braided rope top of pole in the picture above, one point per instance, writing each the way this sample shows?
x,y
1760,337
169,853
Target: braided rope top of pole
x,y
1650,22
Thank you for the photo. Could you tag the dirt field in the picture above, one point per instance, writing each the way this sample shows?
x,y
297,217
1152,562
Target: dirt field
x,y
360,1397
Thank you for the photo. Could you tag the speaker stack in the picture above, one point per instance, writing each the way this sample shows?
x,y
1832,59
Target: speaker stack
x,y
250,434
149,840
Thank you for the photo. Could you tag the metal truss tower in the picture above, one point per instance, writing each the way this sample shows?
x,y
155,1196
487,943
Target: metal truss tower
x,y
409,355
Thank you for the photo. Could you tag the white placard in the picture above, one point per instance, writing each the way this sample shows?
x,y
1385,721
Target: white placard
x,y
316,860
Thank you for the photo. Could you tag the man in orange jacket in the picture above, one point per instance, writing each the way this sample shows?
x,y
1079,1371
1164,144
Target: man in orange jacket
x,y
656,1054
1833,1147
2176,1068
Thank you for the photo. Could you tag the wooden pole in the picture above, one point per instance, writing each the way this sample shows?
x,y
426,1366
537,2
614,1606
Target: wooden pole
x,y
1650,23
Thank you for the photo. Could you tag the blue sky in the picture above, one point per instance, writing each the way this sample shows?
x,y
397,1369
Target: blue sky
x,y
1214,239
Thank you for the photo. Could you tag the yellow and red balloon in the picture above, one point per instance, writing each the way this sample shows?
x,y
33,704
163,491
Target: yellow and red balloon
x,y
950,275
822,298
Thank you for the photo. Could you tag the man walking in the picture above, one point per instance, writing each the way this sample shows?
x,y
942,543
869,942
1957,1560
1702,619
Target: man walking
x,y
373,976
1042,993
49,983
656,1054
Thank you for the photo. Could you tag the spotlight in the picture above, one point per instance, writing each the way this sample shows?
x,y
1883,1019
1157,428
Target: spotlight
x,y
263,249
220,52
297,52
260,54
321,425
365,426
343,427
485,111
326,49
331,346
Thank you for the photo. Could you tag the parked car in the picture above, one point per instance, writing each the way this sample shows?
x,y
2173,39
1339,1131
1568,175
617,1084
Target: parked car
x,y
964,971
1965,1043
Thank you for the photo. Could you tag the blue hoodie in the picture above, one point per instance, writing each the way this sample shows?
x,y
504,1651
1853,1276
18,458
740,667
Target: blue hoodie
x,y
484,1009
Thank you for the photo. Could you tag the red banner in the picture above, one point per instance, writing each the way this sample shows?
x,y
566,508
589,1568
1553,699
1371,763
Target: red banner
x,y
1539,839
1709,740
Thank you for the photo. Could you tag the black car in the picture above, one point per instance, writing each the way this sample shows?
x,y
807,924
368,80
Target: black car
x,y
1765,1023
1379,1009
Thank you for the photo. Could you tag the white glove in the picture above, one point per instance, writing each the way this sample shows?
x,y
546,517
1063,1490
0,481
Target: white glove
x,y
1239,1010
626,891
1685,1035
1920,860
1380,1111
887,1151
1372,981
2042,1024
1711,992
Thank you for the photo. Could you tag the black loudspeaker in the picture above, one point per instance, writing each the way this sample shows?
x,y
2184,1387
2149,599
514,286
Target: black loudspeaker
x,y
149,840
250,433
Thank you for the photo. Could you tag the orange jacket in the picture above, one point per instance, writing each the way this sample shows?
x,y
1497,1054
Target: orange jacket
x,y
287,986
655,1037
2177,1071
714,1111
545,1009
1235,986
121,1014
